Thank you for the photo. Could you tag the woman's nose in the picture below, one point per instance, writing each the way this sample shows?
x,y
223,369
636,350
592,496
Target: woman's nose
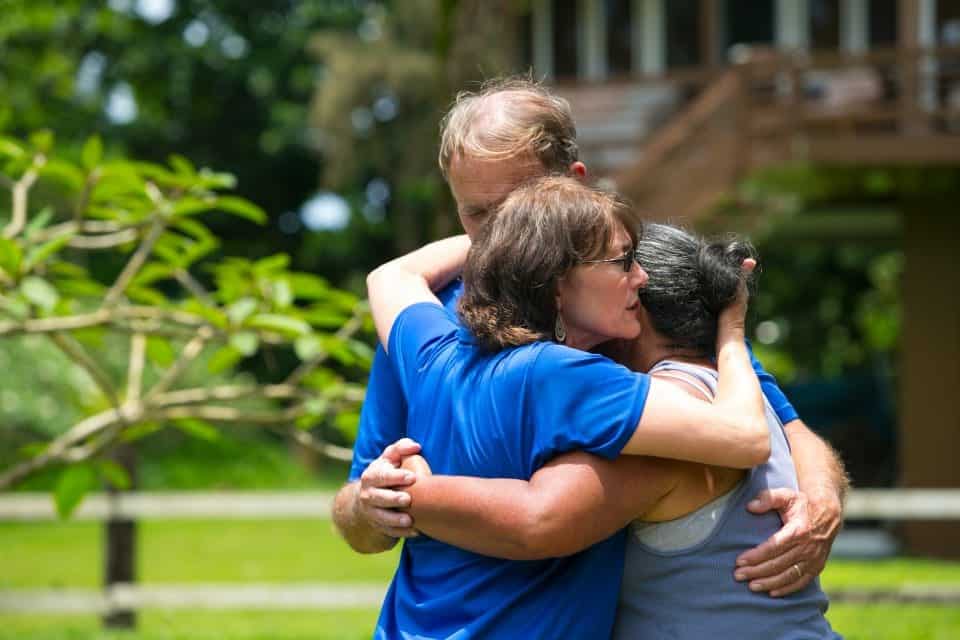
x,y
640,275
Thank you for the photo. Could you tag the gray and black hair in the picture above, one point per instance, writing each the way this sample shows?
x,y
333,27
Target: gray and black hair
x,y
691,281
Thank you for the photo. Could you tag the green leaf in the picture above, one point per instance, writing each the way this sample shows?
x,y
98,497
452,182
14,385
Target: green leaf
x,y
160,352
241,310
64,172
316,406
39,292
92,153
308,347
139,431
181,165
152,272
346,422
286,325
80,287
242,208
324,318
114,474
211,315
197,428
245,342
307,286
11,255
39,221
224,359
282,293
40,253
271,265
10,148
74,483
42,140
146,295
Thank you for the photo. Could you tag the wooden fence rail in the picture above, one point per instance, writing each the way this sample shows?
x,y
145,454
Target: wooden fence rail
x,y
862,504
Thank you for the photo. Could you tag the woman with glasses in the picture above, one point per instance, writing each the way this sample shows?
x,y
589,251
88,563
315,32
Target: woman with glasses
x,y
552,276
689,520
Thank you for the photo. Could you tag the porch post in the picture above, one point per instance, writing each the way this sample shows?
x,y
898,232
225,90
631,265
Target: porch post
x,y
653,41
792,25
592,40
855,26
542,38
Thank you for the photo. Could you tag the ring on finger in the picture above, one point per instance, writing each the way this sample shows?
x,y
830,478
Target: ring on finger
x,y
796,567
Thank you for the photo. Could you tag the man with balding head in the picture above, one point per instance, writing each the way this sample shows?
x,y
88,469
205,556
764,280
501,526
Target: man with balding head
x,y
492,141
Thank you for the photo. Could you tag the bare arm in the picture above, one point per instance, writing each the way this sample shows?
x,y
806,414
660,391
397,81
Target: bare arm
x,y
571,503
413,278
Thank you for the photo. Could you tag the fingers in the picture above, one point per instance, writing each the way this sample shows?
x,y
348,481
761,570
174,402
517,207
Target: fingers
x,y
775,566
792,579
384,498
395,524
381,473
400,449
794,586
772,499
782,542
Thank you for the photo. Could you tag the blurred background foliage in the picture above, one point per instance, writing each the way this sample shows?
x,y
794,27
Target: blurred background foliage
x,y
327,113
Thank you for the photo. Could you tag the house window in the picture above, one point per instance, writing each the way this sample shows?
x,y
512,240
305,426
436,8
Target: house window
x,y
683,33
883,23
748,22
618,19
564,38
824,25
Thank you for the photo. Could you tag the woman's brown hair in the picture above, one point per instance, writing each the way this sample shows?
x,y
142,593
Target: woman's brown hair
x,y
541,231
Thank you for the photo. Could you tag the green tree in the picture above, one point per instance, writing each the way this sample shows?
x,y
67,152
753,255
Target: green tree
x,y
98,257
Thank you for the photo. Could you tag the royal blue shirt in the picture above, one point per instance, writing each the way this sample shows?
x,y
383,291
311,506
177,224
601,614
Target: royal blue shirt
x,y
383,418
504,415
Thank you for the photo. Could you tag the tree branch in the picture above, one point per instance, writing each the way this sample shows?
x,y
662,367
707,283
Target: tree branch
x,y
138,348
229,414
189,353
21,188
136,261
224,393
75,351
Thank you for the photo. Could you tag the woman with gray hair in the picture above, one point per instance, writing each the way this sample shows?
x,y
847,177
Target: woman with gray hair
x,y
687,522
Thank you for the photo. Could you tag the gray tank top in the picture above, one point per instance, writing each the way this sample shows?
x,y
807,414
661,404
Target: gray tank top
x,y
678,576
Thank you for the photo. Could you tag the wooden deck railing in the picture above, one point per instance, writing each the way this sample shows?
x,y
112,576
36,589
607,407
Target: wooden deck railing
x,y
884,107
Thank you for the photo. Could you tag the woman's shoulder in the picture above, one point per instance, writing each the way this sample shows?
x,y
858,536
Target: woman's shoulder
x,y
552,357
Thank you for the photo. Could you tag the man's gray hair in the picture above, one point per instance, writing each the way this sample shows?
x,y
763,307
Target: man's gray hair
x,y
506,118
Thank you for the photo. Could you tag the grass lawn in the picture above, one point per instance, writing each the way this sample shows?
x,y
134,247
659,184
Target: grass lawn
x,y
68,554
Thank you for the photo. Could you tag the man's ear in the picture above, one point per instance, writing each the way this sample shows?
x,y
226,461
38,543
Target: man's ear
x,y
577,170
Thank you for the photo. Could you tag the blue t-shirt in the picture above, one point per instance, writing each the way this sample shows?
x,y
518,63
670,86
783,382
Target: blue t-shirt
x,y
383,418
504,415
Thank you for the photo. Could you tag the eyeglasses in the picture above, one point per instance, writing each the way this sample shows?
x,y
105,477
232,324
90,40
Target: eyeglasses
x,y
626,260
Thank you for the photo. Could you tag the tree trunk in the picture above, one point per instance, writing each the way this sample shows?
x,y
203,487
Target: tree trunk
x,y
120,547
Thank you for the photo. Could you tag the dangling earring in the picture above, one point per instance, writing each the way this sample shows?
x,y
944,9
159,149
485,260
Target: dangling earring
x,y
559,331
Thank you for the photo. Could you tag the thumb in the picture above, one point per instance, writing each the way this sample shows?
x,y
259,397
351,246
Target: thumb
x,y
771,500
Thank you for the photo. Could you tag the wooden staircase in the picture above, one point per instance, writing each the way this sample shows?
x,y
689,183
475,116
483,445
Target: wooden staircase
x,y
883,108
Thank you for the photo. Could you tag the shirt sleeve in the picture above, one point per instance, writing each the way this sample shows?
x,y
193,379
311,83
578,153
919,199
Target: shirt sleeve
x,y
583,401
776,398
383,417
415,336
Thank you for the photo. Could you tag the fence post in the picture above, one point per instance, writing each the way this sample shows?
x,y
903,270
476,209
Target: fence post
x,y
120,546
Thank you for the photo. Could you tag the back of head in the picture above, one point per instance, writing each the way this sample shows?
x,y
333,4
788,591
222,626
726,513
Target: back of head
x,y
507,118
542,230
691,282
